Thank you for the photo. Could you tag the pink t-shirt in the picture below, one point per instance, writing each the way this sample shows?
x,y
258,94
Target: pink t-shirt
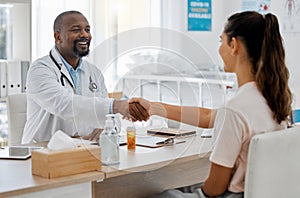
x,y
245,115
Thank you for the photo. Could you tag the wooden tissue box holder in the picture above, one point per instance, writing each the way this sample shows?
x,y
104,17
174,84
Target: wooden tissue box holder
x,y
51,163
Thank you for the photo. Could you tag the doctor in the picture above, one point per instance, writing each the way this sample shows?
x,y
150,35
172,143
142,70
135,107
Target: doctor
x,y
64,91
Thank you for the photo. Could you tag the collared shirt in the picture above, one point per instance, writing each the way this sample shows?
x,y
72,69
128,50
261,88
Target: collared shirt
x,y
75,74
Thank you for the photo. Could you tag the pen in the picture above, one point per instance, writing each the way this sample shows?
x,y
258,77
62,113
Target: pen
x,y
180,142
168,141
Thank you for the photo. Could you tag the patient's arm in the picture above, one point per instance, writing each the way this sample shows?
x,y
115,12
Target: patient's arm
x,y
217,181
196,116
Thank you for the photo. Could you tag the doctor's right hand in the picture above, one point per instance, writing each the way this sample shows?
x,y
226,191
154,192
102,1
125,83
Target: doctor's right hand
x,y
123,107
139,109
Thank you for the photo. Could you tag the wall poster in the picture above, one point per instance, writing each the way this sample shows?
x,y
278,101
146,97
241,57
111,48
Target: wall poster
x,y
291,16
199,15
261,6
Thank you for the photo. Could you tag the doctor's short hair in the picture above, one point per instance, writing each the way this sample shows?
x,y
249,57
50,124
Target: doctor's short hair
x,y
58,21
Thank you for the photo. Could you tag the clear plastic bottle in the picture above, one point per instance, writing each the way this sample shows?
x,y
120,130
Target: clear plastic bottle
x,y
116,120
109,142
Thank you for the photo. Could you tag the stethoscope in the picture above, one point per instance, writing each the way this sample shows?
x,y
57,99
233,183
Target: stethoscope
x,y
92,85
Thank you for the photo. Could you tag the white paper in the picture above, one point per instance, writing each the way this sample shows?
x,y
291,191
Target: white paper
x,y
60,141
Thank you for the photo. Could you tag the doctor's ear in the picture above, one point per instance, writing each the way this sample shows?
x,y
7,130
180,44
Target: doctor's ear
x,y
57,38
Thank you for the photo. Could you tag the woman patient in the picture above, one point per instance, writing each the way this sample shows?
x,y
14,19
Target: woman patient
x,y
251,46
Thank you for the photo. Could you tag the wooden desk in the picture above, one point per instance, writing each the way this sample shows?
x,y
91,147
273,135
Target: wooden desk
x,y
142,172
147,171
16,180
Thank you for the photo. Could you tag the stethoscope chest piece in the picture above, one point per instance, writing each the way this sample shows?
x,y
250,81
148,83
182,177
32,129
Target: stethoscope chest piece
x,y
92,86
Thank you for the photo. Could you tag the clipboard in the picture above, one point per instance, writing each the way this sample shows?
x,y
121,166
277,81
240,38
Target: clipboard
x,y
173,132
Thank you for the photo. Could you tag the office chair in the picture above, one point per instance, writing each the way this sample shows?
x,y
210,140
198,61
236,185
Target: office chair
x,y
273,165
16,116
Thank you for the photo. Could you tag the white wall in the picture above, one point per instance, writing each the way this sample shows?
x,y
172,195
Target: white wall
x,y
175,14
21,35
174,18
44,13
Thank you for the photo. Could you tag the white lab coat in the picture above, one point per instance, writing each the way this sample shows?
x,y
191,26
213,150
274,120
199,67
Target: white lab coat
x,y
52,106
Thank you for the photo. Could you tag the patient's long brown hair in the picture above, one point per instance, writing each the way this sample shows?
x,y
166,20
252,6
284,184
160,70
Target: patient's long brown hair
x,y
264,44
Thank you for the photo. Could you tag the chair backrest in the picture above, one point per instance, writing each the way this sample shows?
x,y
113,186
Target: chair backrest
x,y
16,116
273,168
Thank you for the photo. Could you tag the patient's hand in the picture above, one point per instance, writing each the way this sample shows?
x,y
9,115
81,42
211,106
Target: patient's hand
x,y
94,136
139,109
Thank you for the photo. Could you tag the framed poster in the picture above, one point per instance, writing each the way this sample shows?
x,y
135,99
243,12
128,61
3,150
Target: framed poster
x,y
199,15
261,6
290,10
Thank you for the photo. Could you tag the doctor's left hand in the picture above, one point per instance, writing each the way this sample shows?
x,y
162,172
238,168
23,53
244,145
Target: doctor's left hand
x,y
94,136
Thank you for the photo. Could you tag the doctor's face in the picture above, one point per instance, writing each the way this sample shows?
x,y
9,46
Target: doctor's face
x,y
74,36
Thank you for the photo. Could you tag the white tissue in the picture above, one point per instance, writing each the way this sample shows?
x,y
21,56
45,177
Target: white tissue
x,y
60,141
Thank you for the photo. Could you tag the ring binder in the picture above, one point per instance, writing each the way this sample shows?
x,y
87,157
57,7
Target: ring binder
x,y
3,79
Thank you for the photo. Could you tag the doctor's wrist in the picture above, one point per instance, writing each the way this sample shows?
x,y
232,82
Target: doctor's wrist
x,y
120,106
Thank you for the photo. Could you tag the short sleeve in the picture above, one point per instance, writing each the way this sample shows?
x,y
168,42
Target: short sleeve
x,y
229,129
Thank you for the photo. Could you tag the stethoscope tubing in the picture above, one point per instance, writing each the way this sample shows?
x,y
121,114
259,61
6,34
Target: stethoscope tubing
x,y
92,86
62,74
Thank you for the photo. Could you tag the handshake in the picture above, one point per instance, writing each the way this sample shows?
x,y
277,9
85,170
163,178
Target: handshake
x,y
136,109
139,109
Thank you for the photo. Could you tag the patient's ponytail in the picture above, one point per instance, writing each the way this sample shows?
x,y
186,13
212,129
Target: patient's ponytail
x,y
272,74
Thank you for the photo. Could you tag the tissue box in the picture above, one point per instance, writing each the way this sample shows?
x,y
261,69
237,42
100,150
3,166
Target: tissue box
x,y
50,163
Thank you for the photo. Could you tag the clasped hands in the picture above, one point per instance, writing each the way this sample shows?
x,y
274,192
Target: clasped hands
x,y
136,109
139,109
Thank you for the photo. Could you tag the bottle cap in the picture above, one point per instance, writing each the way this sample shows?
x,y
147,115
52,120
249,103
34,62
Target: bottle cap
x,y
130,128
112,115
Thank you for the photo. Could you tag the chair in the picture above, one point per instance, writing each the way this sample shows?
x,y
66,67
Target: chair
x,y
16,116
273,168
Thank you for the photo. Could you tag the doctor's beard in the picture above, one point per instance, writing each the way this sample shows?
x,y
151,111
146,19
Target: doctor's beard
x,y
81,53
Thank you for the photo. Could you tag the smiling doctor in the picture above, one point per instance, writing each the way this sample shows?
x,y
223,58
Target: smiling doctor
x,y
64,91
